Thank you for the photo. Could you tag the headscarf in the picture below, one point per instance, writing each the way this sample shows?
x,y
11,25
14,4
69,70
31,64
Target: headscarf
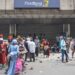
x,y
14,41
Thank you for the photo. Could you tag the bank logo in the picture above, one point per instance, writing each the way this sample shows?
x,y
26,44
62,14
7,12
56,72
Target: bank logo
x,y
46,3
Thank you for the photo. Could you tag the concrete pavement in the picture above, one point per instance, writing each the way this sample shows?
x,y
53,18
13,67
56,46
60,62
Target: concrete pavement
x,y
48,66
52,66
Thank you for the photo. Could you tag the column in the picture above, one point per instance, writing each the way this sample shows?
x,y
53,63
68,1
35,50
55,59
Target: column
x,y
68,33
10,31
15,29
63,27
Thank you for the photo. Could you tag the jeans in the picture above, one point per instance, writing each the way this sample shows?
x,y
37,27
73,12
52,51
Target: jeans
x,y
64,52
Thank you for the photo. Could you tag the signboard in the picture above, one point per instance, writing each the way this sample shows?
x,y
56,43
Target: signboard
x,y
36,3
54,3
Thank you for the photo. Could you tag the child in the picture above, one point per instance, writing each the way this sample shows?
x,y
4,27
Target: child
x,y
19,65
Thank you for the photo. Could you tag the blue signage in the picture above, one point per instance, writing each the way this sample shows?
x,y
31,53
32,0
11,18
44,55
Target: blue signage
x,y
36,3
54,3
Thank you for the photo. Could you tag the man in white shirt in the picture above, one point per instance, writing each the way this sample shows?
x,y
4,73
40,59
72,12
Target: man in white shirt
x,y
32,48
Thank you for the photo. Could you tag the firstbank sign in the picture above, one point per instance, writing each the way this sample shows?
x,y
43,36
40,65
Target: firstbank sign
x,y
33,3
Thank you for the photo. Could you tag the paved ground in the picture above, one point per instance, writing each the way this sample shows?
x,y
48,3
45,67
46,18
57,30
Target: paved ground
x,y
48,66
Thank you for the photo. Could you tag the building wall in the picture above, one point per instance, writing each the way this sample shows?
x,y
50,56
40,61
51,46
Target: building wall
x,y
2,4
74,4
4,29
73,30
6,4
66,5
10,4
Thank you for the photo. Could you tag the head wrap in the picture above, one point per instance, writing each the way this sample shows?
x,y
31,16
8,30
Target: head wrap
x,y
14,41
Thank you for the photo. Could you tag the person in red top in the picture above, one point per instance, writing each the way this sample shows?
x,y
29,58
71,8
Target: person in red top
x,y
3,48
46,48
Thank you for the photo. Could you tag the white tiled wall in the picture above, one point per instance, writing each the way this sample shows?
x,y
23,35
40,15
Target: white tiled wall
x,y
10,5
74,4
6,4
2,4
66,5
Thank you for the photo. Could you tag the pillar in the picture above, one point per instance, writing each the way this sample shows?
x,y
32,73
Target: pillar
x,y
12,29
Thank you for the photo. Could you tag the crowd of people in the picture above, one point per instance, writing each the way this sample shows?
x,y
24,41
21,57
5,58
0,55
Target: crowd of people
x,y
17,50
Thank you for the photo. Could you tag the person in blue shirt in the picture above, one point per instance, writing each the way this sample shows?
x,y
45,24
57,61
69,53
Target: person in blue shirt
x,y
63,48
13,54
